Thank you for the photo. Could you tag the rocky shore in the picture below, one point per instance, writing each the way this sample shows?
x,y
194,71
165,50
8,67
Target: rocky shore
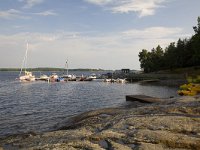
x,y
171,124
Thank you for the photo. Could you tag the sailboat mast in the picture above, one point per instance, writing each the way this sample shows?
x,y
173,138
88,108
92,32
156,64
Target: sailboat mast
x,y
67,66
24,62
26,56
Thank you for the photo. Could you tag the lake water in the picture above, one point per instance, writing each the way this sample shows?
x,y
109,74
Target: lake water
x,y
41,106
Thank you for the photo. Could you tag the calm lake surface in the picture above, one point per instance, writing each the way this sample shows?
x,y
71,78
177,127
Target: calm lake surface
x,y
41,106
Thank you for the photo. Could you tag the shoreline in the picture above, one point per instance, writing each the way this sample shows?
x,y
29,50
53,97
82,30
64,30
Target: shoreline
x,y
172,124
167,82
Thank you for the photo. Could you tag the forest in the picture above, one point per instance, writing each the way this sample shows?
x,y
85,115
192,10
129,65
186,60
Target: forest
x,y
181,54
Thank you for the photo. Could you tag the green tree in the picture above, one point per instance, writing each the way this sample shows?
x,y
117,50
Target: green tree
x,y
180,53
184,53
158,58
151,61
143,56
170,56
197,28
195,44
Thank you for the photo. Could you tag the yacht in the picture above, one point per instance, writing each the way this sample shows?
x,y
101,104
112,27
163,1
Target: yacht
x,y
25,76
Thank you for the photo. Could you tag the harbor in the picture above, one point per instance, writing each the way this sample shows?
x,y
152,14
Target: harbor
x,y
54,77
99,75
28,76
40,106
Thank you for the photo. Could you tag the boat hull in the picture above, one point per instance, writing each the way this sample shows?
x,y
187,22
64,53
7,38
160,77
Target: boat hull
x,y
27,78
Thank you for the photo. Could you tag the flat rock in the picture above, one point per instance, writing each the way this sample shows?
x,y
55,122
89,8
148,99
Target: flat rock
x,y
143,98
170,125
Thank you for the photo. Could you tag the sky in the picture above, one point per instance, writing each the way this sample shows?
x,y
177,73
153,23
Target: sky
x,y
106,34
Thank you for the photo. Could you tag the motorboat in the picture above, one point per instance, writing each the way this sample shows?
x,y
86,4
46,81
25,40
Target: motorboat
x,y
43,77
80,78
92,76
121,80
53,78
109,80
87,79
69,77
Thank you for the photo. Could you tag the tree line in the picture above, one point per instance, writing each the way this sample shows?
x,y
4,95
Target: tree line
x,y
183,53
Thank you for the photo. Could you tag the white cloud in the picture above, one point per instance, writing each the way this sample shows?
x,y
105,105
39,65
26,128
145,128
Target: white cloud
x,y
31,3
11,14
99,2
111,51
16,14
46,13
141,7
153,33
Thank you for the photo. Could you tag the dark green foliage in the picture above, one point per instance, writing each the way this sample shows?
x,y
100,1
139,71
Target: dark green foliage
x,y
183,53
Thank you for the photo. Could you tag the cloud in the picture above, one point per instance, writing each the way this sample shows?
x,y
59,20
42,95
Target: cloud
x,y
153,33
141,7
46,13
99,2
16,14
31,3
11,14
109,51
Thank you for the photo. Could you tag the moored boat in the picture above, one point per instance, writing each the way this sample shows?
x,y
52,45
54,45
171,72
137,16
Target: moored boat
x,y
25,76
55,78
68,77
92,76
121,80
43,78
109,80
115,80
87,79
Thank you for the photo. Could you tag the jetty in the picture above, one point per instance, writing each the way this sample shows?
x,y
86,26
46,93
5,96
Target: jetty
x,y
143,98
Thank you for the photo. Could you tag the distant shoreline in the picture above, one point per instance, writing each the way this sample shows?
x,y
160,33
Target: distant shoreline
x,y
49,69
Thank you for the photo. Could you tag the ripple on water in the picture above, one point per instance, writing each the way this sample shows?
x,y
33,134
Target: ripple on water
x,y
39,106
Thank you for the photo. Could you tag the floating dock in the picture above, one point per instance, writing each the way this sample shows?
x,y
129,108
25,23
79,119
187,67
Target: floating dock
x,y
143,98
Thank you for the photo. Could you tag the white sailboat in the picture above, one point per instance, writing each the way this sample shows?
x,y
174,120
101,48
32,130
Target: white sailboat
x,y
25,76
68,77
